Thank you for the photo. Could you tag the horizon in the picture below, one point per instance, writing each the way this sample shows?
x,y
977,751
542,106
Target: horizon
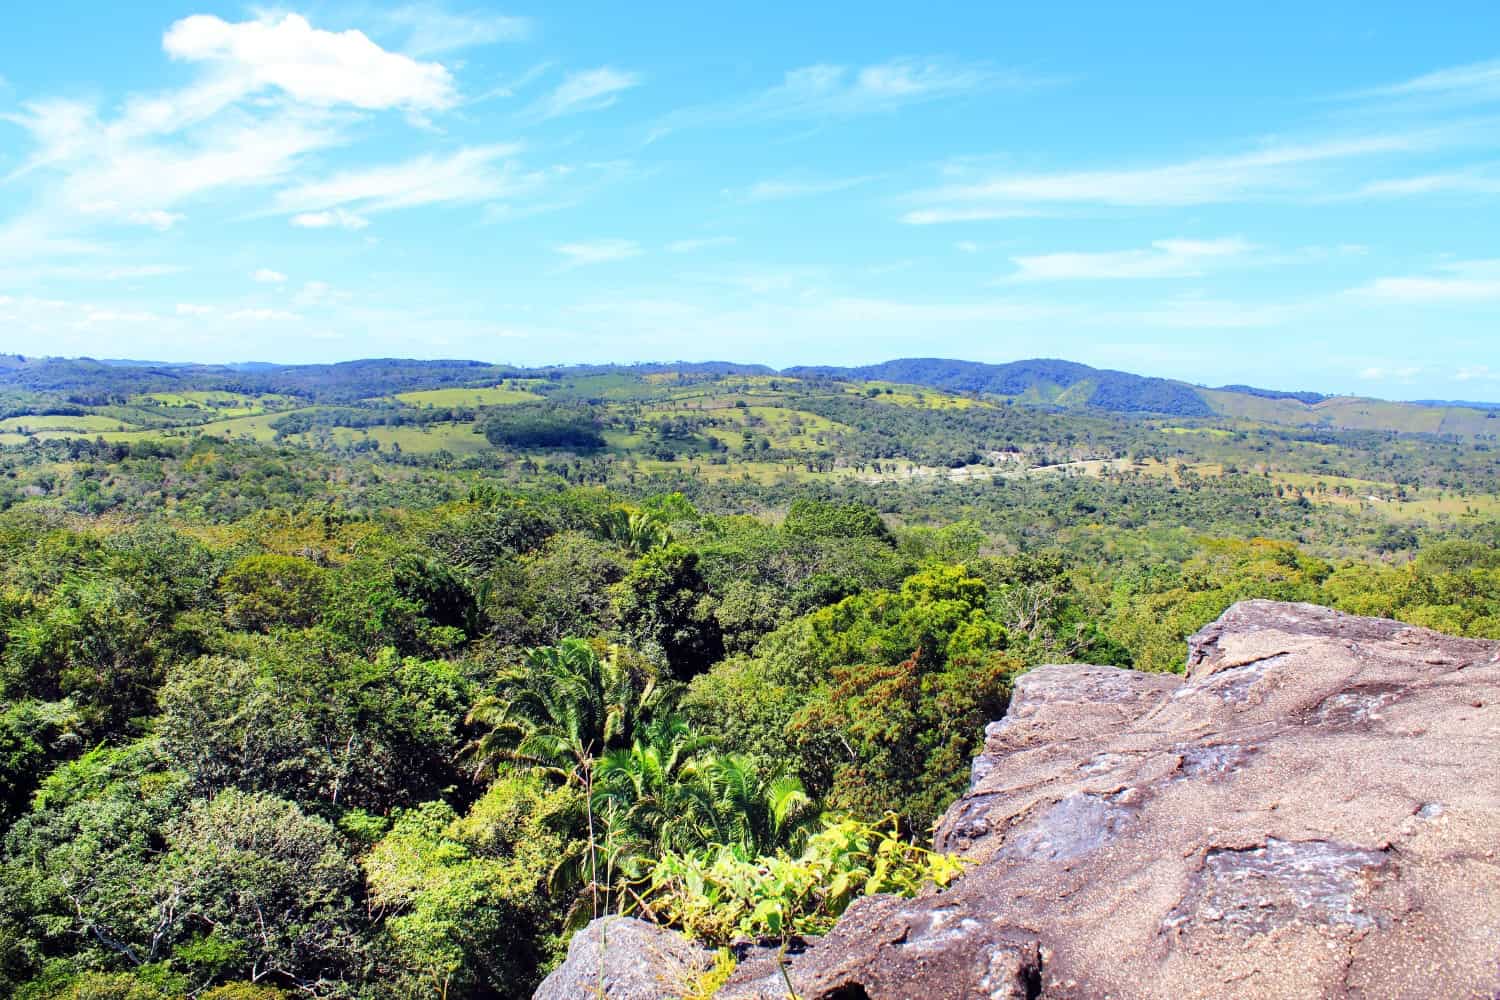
x,y
664,363
343,179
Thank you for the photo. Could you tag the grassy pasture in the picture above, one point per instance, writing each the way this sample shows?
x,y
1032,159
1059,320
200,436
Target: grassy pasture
x,y
495,395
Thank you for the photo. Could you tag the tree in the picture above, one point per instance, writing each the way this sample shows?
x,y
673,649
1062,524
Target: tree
x,y
637,531
564,707
664,608
463,900
265,591
277,887
310,722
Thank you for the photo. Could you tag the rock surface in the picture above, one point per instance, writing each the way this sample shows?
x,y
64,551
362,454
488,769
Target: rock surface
x,y
633,960
1314,811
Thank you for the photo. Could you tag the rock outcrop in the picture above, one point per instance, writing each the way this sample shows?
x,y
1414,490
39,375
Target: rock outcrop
x,y
617,958
1312,811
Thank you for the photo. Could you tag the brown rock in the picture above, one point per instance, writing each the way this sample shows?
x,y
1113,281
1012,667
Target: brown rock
x,y
1314,811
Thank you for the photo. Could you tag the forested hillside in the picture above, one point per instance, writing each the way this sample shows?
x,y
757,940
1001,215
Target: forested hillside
x,y
378,680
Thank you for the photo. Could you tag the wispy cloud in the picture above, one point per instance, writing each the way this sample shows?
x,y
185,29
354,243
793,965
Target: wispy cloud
x,y
473,174
700,243
783,188
1475,180
263,315
335,219
588,90
433,31
1280,170
1385,373
266,276
1178,258
1457,282
597,252
825,89
1474,83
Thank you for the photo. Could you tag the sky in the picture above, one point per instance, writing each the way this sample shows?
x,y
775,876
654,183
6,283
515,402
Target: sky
x,y
1292,195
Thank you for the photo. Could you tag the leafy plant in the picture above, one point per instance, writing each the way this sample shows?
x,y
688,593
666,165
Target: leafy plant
x,y
722,893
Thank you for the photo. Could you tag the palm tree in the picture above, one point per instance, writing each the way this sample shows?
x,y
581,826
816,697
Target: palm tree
x,y
754,806
565,707
636,530
647,787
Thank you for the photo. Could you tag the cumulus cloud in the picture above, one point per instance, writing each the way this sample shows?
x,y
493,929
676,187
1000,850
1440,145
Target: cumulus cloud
x,y
266,276
311,65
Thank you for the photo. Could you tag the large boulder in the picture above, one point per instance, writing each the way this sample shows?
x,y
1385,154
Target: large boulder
x,y
1312,811
618,958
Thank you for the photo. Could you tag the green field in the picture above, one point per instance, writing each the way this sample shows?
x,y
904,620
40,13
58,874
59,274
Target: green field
x,y
484,396
85,423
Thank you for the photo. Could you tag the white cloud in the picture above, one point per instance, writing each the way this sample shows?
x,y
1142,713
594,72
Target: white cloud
x,y
598,251
1164,259
588,90
431,30
1458,282
264,315
824,90
1198,312
311,65
110,316
1474,83
1275,171
1377,373
192,309
269,92
939,216
335,219
1475,373
702,243
319,293
1451,182
479,173
267,276
156,218
777,190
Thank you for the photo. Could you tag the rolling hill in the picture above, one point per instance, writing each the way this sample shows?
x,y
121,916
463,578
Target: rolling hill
x,y
1044,382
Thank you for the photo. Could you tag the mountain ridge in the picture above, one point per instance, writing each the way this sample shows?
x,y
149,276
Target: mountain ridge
x,y
1047,382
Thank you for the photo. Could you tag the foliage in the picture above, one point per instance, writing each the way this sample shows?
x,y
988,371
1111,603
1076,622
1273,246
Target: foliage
x,y
542,426
301,718
722,894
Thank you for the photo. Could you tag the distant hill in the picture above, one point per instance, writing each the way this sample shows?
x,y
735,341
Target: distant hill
x,y
1045,381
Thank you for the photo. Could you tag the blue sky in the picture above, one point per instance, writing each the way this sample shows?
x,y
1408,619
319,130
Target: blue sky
x,y
1292,195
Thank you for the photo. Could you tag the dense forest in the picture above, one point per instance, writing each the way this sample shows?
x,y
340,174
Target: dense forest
x,y
379,680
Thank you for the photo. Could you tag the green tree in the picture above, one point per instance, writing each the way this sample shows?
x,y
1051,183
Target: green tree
x,y
264,591
664,608
563,708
